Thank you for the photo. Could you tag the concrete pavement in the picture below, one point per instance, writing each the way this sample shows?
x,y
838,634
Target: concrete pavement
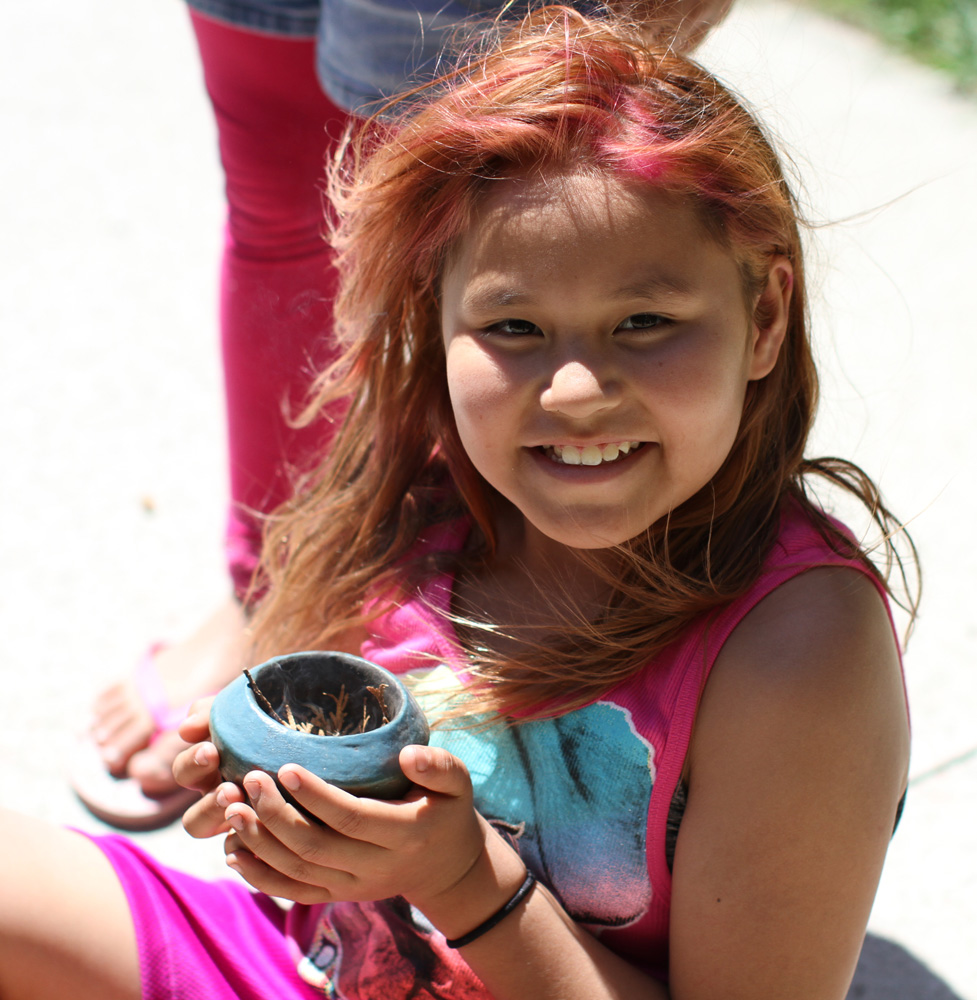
x,y
111,454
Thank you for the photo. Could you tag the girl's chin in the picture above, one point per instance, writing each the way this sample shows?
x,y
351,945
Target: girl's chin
x,y
581,537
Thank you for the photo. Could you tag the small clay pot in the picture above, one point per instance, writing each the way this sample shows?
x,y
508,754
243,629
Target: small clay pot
x,y
249,738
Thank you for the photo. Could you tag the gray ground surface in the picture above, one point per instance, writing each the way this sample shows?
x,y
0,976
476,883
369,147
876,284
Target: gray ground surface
x,y
111,452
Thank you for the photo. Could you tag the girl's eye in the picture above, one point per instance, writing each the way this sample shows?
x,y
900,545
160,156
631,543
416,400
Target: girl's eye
x,y
643,321
514,328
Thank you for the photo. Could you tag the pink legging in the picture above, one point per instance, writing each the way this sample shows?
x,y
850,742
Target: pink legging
x,y
274,127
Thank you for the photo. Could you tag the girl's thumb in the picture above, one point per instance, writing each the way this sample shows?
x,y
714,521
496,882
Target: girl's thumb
x,y
435,769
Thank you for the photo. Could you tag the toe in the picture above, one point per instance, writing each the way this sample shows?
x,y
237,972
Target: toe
x,y
121,726
153,767
118,747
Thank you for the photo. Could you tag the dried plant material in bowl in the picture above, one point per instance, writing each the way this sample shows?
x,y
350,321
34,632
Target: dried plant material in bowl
x,y
340,716
346,717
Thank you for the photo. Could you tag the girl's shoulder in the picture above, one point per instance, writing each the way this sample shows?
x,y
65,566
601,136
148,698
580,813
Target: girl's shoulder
x,y
813,556
827,625
807,541
813,641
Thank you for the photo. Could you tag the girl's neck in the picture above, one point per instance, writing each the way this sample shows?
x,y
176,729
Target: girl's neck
x,y
531,586
551,565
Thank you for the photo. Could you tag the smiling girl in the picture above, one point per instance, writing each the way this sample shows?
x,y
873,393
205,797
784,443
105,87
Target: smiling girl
x,y
570,503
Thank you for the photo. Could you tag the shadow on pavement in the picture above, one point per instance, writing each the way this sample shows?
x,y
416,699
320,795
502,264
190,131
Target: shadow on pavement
x,y
886,971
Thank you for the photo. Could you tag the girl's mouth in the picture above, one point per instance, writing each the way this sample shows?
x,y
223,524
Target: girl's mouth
x,y
591,454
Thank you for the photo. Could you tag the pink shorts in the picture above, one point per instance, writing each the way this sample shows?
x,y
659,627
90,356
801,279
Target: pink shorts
x,y
202,940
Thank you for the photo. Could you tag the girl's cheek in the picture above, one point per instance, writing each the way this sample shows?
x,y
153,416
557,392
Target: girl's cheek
x,y
697,373
476,381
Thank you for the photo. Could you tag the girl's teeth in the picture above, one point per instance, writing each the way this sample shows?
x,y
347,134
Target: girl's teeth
x,y
591,454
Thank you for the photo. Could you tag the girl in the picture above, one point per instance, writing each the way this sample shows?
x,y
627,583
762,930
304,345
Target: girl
x,y
570,499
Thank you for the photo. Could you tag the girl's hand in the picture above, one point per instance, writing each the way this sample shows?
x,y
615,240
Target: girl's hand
x,y
419,847
197,768
684,23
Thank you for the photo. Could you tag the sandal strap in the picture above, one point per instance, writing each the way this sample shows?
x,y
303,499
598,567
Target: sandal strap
x,y
149,686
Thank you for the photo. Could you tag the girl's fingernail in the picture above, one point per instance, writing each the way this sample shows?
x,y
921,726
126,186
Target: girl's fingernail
x,y
222,799
290,780
232,862
201,755
235,822
422,758
253,788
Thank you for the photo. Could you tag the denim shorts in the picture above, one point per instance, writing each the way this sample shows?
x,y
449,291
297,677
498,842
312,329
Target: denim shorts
x,y
366,50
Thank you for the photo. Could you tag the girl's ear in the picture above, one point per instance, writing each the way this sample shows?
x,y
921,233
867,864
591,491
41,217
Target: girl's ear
x,y
770,315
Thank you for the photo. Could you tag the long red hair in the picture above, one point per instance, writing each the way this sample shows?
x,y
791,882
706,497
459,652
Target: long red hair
x,y
559,91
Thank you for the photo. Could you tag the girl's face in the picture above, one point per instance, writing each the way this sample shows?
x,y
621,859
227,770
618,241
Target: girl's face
x,y
598,349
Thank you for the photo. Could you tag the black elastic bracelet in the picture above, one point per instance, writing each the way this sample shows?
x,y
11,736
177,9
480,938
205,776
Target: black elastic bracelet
x,y
521,893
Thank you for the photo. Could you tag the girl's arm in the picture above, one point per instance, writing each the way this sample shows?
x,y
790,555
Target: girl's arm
x,y
435,850
798,761
539,953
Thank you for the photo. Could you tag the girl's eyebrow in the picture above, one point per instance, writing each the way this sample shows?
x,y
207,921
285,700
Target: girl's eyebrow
x,y
495,297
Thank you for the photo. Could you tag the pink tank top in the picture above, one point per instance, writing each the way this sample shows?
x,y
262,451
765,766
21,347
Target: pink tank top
x,y
585,796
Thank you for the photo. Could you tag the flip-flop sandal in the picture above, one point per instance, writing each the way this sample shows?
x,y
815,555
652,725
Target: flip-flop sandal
x,y
149,687
121,802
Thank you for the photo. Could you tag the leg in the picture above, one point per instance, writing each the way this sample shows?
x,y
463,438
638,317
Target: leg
x,y
274,128
65,926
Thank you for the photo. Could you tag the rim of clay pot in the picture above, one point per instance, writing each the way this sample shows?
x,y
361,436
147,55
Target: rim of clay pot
x,y
364,763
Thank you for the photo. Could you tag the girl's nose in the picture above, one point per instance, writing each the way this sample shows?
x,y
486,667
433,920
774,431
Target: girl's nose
x,y
577,390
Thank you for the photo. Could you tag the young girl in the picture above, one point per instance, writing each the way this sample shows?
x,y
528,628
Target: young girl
x,y
570,501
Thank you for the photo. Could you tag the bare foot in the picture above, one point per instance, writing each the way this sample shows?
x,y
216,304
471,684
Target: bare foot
x,y
153,767
123,727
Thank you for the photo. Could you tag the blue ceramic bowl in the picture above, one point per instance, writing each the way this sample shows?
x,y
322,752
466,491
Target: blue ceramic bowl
x,y
249,738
